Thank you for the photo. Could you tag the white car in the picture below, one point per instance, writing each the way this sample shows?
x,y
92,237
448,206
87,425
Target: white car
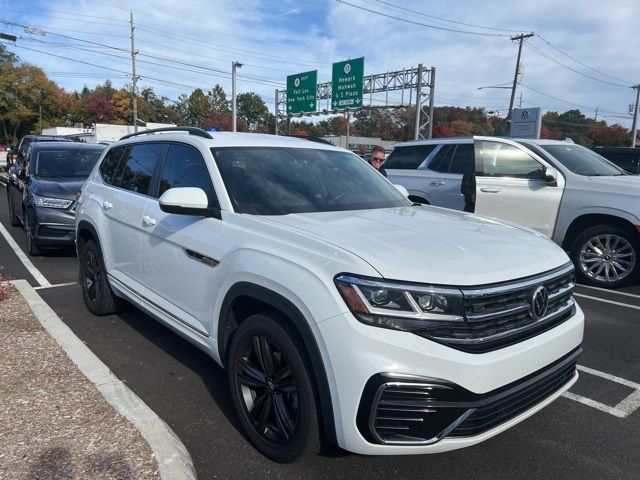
x,y
565,191
339,309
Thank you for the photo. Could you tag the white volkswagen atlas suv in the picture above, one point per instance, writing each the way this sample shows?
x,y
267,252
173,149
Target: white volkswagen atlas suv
x,y
339,309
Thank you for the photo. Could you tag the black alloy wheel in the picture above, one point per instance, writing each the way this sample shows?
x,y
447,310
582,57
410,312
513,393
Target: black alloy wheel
x,y
271,389
96,291
13,218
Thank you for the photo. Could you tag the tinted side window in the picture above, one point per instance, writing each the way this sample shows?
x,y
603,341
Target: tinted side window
x,y
140,162
185,167
409,157
110,166
463,158
504,160
441,161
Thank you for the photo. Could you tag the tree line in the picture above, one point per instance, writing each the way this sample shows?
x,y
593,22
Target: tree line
x,y
29,101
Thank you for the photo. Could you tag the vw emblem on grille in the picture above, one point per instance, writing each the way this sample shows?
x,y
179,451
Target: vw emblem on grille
x,y
539,302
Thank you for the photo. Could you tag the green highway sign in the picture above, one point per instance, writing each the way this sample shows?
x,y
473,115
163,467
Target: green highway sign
x,y
347,83
302,89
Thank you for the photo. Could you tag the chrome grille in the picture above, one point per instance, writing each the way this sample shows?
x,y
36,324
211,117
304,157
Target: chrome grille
x,y
501,314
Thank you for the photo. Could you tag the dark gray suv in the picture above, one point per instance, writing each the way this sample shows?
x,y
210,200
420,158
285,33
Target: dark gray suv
x,y
41,193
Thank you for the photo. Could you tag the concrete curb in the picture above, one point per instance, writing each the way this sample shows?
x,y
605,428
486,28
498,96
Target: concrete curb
x,y
174,461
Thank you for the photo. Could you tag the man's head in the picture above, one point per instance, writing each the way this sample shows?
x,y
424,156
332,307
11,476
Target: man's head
x,y
377,157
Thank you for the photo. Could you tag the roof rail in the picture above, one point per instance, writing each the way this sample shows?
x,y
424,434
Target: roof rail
x,y
191,130
311,138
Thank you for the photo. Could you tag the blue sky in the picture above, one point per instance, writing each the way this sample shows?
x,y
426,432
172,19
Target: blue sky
x,y
586,54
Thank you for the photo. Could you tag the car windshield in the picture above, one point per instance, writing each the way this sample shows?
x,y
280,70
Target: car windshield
x,y
582,161
279,181
66,163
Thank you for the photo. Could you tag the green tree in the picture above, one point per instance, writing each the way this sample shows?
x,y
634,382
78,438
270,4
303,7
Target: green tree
x,y
253,113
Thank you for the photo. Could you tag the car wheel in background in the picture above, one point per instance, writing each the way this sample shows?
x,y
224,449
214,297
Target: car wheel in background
x,y
32,248
271,389
96,291
606,256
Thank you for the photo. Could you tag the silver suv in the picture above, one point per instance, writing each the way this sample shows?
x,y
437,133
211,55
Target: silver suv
x,y
567,192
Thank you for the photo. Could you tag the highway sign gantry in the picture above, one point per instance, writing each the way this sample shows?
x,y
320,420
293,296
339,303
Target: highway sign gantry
x,y
302,89
346,84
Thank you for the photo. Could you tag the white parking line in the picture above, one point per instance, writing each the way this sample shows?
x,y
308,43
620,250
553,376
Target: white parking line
x,y
24,259
607,301
607,290
56,285
623,409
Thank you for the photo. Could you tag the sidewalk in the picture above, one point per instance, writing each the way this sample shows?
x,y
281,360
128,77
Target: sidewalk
x,y
63,414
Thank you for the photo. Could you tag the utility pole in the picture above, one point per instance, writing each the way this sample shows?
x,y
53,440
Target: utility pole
x,y
520,105
234,65
520,37
634,127
134,78
432,91
347,139
416,132
595,118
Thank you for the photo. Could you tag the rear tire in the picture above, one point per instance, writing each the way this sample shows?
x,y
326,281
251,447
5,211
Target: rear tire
x,y
606,256
271,389
96,291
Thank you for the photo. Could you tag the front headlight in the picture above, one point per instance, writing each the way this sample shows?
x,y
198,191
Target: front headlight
x,y
51,202
401,306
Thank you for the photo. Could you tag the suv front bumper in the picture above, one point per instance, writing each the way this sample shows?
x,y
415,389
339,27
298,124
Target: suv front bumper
x,y
374,354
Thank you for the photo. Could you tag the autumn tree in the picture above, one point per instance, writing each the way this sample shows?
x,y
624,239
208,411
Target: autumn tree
x,y
253,113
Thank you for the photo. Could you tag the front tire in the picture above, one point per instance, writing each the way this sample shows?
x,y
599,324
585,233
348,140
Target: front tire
x,y
271,389
32,249
96,291
606,256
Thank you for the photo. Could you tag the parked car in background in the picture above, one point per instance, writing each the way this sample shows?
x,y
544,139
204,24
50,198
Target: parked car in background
x,y
626,158
4,151
567,192
27,140
338,308
41,193
431,170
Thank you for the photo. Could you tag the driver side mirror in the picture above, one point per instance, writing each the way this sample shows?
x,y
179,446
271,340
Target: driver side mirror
x,y
187,201
402,190
550,176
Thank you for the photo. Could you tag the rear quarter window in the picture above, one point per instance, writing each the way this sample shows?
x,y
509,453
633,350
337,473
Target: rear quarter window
x,y
409,157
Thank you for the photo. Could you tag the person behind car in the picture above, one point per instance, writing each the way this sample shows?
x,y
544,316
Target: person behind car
x,y
377,158
468,189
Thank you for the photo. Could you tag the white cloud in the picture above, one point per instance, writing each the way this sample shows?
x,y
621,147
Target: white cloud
x,y
274,39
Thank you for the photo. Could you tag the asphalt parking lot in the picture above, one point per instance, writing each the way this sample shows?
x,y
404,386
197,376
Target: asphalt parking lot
x,y
593,432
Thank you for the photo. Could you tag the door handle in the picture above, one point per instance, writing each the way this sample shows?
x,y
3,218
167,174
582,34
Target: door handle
x,y
148,220
107,205
490,189
437,183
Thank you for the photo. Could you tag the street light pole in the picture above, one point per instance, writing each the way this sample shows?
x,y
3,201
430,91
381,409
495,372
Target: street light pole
x,y
234,65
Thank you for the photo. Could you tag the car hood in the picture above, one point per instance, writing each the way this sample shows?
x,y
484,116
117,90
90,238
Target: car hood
x,y
432,245
62,187
625,184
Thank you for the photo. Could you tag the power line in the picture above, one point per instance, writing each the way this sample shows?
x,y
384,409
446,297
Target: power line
x,y
567,101
557,62
468,32
444,19
578,61
73,60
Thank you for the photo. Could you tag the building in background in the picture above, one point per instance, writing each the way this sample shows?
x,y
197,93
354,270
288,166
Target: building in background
x,y
360,145
100,132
